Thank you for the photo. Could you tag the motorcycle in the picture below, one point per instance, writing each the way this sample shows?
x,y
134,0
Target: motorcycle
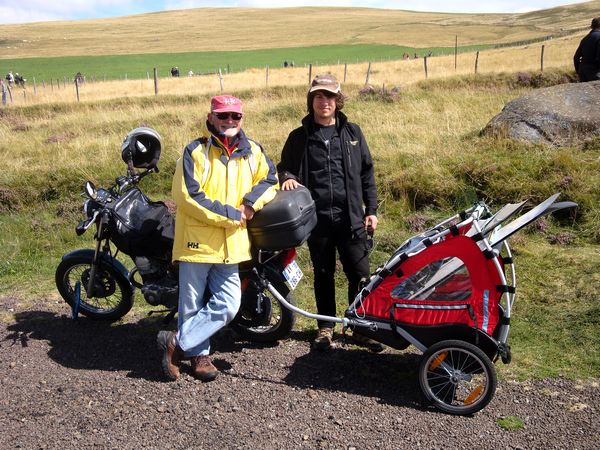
x,y
96,284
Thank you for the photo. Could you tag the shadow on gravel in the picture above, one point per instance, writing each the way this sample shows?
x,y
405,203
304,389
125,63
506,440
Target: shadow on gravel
x,y
391,376
96,345
91,345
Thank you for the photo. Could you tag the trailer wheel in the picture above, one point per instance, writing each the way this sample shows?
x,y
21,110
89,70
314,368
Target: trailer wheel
x,y
457,377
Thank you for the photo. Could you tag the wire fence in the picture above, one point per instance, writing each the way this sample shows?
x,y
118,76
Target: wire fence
x,y
392,72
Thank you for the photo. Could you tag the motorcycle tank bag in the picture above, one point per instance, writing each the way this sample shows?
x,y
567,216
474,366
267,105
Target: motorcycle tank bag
x,y
284,222
141,227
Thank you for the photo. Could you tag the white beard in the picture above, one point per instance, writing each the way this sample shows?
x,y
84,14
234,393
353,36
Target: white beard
x,y
230,132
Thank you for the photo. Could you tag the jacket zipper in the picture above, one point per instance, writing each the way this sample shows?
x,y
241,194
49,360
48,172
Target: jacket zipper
x,y
348,152
330,179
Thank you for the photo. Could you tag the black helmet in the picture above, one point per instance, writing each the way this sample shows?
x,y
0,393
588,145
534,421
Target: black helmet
x,y
142,147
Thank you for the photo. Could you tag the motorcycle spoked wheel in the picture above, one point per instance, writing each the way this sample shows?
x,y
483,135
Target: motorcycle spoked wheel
x,y
273,322
113,294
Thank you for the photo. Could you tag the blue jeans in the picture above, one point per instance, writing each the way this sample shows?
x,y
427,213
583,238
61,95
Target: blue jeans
x,y
199,319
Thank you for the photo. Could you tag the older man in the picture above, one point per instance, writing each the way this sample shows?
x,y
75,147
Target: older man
x,y
220,181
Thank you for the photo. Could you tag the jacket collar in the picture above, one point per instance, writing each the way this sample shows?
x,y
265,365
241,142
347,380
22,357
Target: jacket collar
x,y
308,122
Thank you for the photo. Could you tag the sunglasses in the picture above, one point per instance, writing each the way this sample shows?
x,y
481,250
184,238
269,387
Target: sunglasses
x,y
226,115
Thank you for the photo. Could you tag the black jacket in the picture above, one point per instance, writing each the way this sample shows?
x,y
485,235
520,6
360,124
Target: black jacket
x,y
587,57
359,173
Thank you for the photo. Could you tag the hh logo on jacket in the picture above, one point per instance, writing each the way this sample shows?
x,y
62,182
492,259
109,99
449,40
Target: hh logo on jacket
x,y
193,245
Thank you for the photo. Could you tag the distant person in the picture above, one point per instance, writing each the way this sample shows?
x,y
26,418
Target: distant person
x,y
175,71
285,64
10,78
79,79
19,80
329,155
587,55
190,73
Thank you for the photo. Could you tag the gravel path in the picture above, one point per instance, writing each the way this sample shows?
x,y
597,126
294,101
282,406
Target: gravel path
x,y
81,384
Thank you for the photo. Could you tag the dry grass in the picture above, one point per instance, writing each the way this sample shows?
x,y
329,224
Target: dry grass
x,y
557,54
192,30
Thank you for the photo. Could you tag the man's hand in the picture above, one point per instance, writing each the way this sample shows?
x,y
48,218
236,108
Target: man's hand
x,y
290,184
247,214
371,224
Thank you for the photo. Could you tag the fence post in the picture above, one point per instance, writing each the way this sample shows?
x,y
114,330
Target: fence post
x,y
542,60
368,74
221,79
52,84
3,92
476,61
425,65
455,50
77,88
309,73
9,92
345,71
267,80
34,87
155,81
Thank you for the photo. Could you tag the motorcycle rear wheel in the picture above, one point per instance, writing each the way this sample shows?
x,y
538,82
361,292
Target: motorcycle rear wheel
x,y
113,293
274,322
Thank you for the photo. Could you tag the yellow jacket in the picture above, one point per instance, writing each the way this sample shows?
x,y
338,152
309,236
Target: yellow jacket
x,y
209,186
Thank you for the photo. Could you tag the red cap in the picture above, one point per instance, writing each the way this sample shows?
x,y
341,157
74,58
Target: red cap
x,y
225,103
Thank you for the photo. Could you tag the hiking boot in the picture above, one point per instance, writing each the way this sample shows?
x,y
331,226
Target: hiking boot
x,y
363,341
172,354
323,339
203,368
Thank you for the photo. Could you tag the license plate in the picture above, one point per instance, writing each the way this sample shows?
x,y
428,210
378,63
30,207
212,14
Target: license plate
x,y
292,274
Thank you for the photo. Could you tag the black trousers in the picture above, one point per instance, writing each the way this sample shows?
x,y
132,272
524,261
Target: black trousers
x,y
325,239
588,72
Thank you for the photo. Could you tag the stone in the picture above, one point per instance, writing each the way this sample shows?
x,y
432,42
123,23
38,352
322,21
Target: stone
x,y
561,115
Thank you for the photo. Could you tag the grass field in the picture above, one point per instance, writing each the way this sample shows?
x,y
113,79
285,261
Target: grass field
x,y
192,30
49,150
120,67
430,162
396,73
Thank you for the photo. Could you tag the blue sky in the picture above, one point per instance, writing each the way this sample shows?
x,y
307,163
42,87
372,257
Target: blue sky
x,y
20,11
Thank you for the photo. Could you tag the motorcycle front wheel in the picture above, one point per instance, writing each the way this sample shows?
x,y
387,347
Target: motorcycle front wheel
x,y
261,317
112,293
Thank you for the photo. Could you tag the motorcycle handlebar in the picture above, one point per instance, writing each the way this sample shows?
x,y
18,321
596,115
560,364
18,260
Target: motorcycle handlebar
x,y
123,181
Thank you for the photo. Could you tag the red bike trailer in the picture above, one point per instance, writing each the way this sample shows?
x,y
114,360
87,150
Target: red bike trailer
x,y
449,292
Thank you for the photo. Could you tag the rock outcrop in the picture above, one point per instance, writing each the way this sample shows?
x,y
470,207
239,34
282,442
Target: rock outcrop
x,y
562,115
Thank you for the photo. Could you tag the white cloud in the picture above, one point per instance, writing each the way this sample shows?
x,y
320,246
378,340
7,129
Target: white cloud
x,y
42,10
